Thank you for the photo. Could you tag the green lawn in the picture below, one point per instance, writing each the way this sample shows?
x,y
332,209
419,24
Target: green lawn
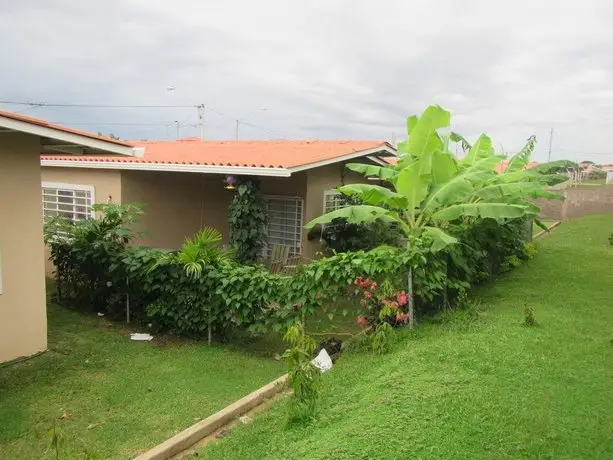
x,y
114,397
487,389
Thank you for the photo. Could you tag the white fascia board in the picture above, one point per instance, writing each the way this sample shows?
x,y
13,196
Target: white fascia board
x,y
203,169
63,136
350,156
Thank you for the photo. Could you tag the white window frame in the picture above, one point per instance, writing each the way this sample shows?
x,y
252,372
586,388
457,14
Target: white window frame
x,y
295,250
66,186
334,194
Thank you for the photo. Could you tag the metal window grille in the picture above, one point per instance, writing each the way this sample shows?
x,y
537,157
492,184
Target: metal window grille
x,y
284,223
333,201
72,202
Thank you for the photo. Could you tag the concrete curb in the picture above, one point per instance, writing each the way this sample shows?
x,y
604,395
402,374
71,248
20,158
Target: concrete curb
x,y
209,425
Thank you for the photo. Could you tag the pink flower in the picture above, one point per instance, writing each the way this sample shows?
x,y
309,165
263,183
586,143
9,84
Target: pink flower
x,y
402,317
373,286
362,321
367,294
402,298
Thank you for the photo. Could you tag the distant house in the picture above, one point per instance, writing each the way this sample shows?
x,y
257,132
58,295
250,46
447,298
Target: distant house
x,y
181,184
23,315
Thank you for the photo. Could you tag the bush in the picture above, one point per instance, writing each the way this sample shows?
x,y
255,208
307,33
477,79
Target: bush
x,y
202,290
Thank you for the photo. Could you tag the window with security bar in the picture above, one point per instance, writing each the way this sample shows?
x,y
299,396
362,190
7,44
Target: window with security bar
x,y
71,201
284,223
333,201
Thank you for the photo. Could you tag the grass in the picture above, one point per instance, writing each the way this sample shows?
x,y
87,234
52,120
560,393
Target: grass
x,y
475,386
114,397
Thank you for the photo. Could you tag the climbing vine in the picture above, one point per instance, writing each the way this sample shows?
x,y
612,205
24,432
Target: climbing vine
x,y
248,218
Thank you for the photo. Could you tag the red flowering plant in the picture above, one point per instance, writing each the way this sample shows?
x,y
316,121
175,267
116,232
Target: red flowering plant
x,y
380,303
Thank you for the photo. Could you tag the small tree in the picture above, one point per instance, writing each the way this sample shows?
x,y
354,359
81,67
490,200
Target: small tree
x,y
429,190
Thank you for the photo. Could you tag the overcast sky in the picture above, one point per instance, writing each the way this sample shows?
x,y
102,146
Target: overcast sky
x,y
321,69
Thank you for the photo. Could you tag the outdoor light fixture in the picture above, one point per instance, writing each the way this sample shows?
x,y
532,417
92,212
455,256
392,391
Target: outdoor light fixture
x,y
229,183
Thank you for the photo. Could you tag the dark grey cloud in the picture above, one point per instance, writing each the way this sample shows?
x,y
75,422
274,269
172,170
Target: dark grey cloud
x,y
322,69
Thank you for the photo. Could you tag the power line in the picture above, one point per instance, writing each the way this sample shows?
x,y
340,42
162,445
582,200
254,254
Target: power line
x,y
100,106
112,123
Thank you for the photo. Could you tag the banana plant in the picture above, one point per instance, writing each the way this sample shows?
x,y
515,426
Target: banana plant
x,y
428,188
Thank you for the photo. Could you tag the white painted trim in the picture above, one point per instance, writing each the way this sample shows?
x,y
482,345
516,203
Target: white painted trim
x,y
234,170
349,156
377,160
64,136
66,186
328,193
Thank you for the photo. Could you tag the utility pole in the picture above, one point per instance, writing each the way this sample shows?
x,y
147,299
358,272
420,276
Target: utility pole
x,y
201,119
178,127
238,122
550,143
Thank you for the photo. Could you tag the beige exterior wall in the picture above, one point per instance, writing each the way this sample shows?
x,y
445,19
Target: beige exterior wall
x,y
23,316
176,204
106,183
179,204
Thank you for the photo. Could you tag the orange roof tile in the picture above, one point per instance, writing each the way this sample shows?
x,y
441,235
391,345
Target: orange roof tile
x,y
273,154
46,124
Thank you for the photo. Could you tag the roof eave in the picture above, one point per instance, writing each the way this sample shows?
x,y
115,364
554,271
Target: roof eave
x,y
383,148
100,145
170,167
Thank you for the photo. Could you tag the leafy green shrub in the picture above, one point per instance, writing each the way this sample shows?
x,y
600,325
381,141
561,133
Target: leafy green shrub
x,y
530,250
82,252
248,217
611,239
304,377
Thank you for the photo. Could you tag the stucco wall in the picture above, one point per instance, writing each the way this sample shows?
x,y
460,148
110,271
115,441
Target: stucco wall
x,y
176,205
580,201
23,317
106,182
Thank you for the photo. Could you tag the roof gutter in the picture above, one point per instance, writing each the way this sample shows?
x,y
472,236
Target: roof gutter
x,y
193,168
119,148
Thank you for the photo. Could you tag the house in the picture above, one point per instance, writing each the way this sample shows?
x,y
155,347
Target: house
x,y
181,184
23,318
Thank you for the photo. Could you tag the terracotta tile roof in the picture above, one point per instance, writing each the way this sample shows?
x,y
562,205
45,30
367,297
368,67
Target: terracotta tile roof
x,y
46,124
273,154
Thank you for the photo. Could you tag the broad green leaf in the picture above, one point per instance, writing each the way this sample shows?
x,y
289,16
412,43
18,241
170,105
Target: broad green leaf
x,y
553,166
522,158
496,211
424,137
460,186
375,195
382,172
440,239
411,122
482,149
455,137
516,189
413,186
444,167
354,215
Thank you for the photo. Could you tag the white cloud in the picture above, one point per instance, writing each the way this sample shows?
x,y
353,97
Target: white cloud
x,y
335,68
